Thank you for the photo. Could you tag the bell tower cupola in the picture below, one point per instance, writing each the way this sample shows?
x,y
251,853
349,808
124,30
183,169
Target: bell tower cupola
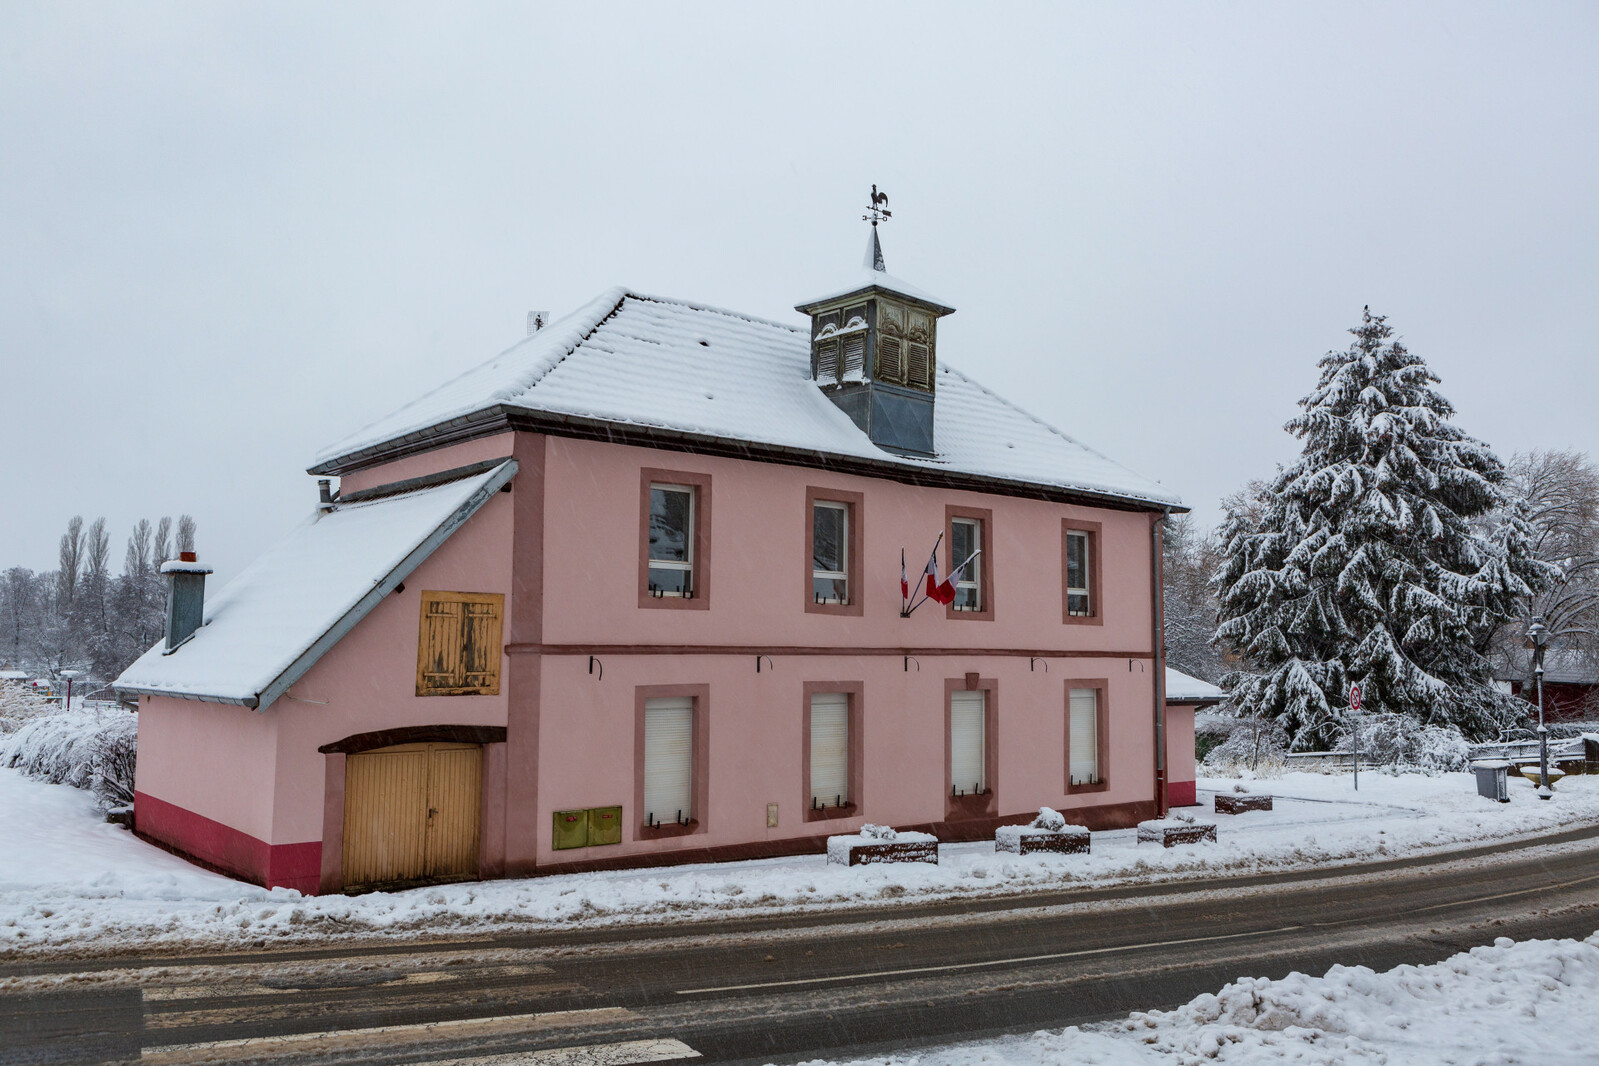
x,y
874,349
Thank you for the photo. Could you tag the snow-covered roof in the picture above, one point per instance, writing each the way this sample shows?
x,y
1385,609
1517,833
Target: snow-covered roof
x,y
269,625
1180,688
14,675
674,368
1561,666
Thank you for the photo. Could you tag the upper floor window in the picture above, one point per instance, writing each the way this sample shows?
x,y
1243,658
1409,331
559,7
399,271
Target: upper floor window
x,y
1077,595
833,551
671,540
1080,571
830,552
965,542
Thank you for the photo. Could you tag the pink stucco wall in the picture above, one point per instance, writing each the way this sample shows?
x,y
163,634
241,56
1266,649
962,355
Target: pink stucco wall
x,y
564,547
1180,768
760,521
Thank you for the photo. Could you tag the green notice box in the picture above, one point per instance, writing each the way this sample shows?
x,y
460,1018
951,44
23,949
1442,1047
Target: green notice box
x,y
571,829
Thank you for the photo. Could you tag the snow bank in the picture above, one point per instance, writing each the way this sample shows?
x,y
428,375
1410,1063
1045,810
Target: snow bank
x,y
1507,1002
72,885
86,747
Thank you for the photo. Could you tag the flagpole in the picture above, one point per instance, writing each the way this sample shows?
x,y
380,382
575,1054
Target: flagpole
x,y
932,558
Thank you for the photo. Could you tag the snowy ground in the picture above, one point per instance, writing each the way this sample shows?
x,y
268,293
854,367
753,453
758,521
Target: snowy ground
x,y
1508,1003
71,884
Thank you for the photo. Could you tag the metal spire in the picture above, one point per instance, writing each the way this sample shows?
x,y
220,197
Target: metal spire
x,y
876,211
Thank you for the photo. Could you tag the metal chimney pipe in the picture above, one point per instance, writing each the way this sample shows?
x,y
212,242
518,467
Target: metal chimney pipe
x,y
185,598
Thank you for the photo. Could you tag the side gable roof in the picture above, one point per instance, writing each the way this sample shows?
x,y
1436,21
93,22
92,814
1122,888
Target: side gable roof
x,y
1181,688
668,370
271,624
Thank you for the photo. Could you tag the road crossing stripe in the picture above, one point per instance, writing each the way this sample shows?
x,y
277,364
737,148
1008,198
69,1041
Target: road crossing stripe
x,y
949,967
332,1040
626,1053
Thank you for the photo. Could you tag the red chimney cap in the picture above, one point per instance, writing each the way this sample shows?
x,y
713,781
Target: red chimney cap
x,y
187,557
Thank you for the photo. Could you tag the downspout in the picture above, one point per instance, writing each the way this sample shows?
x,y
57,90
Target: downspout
x,y
1157,571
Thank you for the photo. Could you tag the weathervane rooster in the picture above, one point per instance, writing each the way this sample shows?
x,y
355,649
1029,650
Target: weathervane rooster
x,y
878,209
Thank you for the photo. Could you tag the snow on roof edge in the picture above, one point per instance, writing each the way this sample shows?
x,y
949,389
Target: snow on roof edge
x,y
490,483
591,313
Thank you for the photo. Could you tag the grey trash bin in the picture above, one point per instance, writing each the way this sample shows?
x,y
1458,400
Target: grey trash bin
x,y
1493,780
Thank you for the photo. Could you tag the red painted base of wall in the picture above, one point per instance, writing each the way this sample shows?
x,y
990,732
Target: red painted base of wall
x,y
1181,794
224,849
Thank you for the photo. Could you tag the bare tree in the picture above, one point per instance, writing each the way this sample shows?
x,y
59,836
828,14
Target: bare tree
x,y
71,563
161,546
1190,558
1558,492
185,533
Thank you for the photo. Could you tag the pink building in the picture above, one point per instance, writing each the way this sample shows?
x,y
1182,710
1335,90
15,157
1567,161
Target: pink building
x,y
630,593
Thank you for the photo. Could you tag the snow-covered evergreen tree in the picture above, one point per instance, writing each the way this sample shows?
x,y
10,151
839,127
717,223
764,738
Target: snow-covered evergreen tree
x,y
1361,563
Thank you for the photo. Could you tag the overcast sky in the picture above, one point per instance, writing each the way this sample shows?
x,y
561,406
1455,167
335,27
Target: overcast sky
x,y
232,233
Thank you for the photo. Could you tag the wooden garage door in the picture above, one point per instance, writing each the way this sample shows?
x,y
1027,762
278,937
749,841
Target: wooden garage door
x,y
411,814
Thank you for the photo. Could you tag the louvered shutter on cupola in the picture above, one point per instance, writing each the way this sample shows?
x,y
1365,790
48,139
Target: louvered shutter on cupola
x,y
968,742
827,361
918,372
668,759
889,365
1084,738
829,749
854,356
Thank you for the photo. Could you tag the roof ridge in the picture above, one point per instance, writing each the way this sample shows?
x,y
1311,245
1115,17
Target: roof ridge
x,y
614,295
758,320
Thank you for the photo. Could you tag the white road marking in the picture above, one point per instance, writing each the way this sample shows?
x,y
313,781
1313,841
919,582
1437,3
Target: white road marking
x,y
620,1054
949,967
332,1040
1507,895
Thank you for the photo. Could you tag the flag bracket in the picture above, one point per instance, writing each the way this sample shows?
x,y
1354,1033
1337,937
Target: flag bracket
x,y
912,659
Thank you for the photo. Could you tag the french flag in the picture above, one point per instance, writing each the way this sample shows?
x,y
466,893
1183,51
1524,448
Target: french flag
x,y
930,571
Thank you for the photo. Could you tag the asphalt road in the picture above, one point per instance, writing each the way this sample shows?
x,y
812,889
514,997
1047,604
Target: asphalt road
x,y
787,989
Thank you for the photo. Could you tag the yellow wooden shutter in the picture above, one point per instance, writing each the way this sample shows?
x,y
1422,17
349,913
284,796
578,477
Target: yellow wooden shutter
x,y
458,650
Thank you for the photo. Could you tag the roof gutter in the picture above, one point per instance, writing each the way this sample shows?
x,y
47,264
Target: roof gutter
x,y
502,418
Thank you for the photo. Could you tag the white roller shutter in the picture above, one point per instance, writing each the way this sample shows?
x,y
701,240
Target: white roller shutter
x,y
829,749
668,758
1084,741
967,741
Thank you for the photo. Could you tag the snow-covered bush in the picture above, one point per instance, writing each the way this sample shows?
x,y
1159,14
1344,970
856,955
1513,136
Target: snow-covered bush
x,y
1255,744
1404,742
20,704
1210,729
88,748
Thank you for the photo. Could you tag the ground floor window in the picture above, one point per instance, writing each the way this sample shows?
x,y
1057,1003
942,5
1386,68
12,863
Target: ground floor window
x,y
1083,740
968,743
829,750
668,760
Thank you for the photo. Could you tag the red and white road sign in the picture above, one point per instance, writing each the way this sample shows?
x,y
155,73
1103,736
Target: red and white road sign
x,y
1354,697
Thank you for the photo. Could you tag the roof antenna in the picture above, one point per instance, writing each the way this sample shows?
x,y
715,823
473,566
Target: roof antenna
x,y
876,212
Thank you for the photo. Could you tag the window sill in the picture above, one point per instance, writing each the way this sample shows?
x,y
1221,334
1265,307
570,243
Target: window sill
x,y
696,602
824,814
1083,620
670,829
1098,786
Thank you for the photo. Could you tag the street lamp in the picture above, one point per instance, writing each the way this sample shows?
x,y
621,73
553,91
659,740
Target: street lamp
x,y
1538,640
69,675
